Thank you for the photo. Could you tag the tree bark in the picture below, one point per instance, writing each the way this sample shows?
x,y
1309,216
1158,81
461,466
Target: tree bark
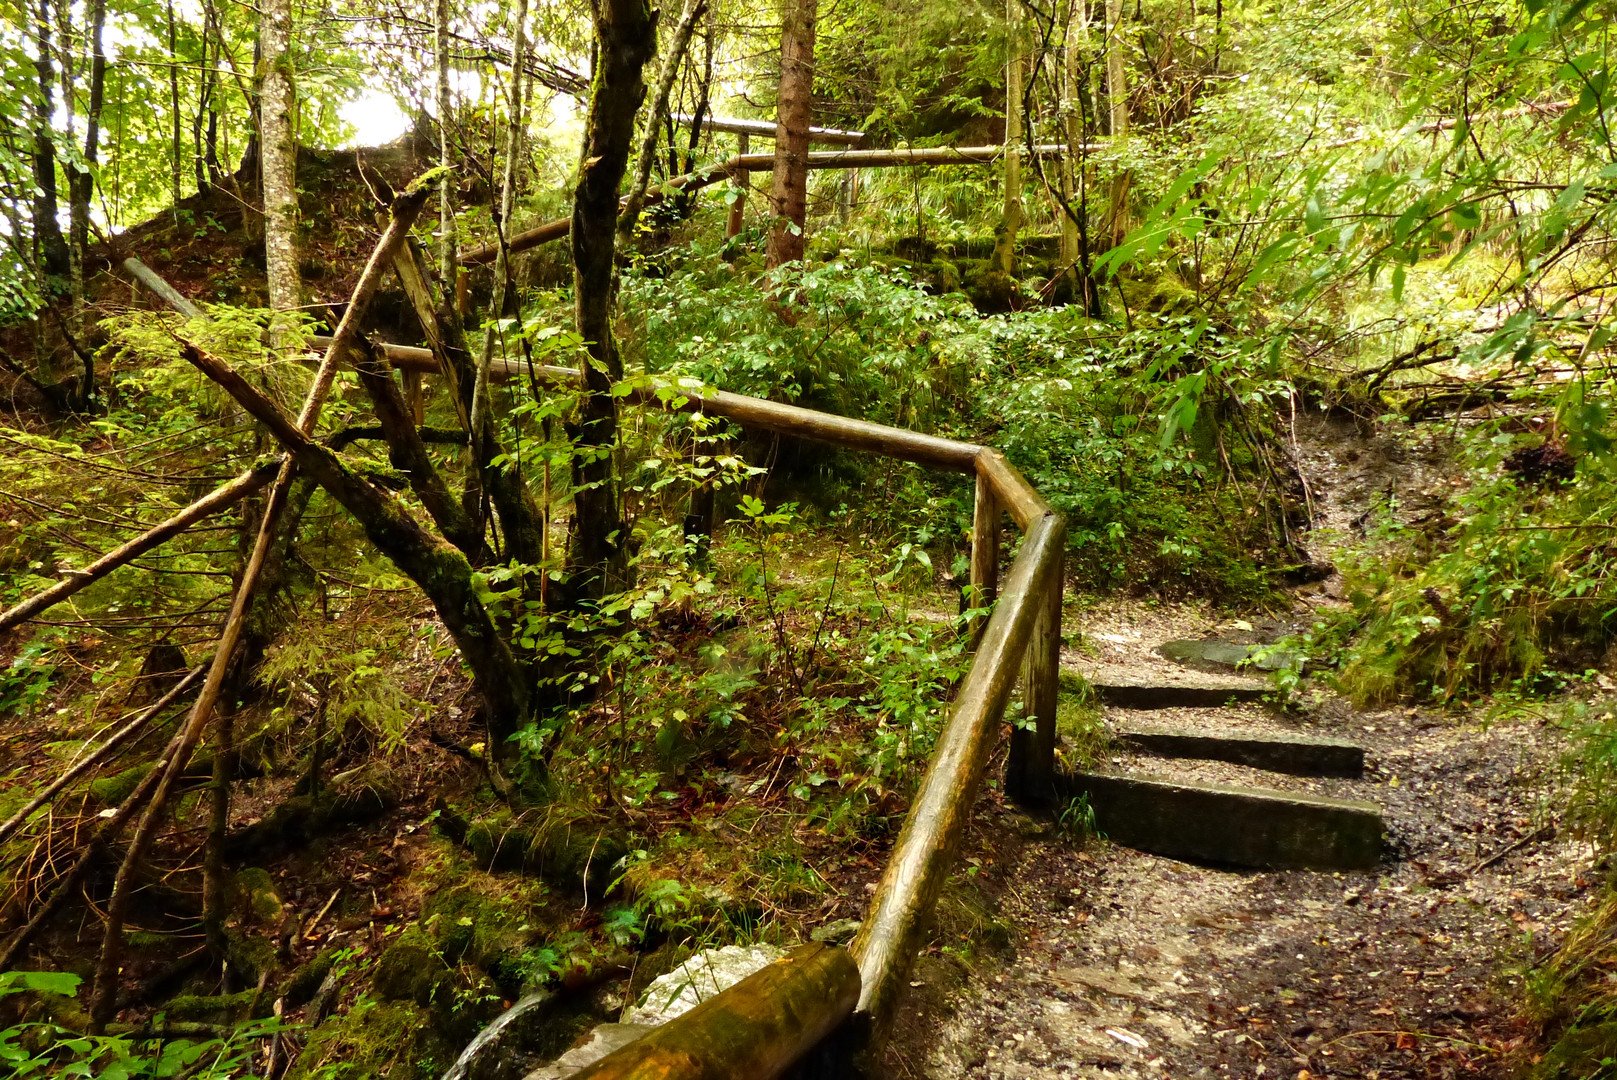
x,y
625,36
278,155
788,192
47,230
1011,216
81,182
636,198
446,190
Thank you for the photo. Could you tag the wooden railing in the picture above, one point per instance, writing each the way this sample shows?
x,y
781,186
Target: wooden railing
x,y
1022,637
762,1025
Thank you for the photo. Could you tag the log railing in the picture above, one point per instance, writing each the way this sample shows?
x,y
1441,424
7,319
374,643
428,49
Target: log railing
x,y
1021,637
762,1025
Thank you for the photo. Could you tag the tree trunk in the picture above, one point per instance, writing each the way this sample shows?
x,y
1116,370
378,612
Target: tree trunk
x,y
788,192
446,189
659,109
278,155
1116,78
625,36
81,182
1011,216
47,230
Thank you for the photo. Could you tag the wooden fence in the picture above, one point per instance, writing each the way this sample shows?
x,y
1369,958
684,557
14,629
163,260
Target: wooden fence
x,y
761,1026
1021,637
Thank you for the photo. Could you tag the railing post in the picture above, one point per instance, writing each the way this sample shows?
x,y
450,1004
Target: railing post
x,y
1030,765
984,553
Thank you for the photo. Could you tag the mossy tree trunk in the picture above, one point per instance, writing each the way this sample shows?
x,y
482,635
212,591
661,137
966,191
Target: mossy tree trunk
x,y
625,37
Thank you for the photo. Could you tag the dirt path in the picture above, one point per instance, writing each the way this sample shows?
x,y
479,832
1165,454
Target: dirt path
x,y
1127,964
1123,964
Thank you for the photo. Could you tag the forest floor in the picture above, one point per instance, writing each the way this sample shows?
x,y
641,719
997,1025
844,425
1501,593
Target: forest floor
x,y
1119,963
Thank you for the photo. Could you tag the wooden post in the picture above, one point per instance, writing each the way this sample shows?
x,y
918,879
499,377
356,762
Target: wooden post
x,y
984,553
739,182
1030,766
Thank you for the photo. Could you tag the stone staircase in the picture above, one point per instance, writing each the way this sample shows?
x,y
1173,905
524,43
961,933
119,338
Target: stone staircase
x,y
1200,771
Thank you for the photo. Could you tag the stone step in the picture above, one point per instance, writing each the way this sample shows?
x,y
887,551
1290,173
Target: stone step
x,y
1232,826
1165,686
1296,755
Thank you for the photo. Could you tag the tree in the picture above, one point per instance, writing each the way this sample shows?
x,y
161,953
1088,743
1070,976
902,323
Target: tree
x,y
278,158
625,38
788,190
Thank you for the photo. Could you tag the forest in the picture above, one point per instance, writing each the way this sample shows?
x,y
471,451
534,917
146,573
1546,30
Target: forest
x,y
552,538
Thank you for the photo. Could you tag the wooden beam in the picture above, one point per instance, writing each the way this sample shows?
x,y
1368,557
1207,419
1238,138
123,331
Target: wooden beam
x,y
819,159
757,1029
765,129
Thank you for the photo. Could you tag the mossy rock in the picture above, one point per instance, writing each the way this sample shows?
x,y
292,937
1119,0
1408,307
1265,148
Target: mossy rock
x,y
218,1008
256,900
578,855
992,292
376,1040
250,955
113,790
942,276
411,969
303,983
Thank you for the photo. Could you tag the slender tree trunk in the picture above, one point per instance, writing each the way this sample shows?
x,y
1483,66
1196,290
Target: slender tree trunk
x,y
81,182
1117,97
446,189
659,108
68,70
175,171
788,191
1011,216
1116,75
502,261
625,38
47,230
278,155
1072,129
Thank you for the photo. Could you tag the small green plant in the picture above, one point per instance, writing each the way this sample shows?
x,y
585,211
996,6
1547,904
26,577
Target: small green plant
x,y
1076,821
42,1049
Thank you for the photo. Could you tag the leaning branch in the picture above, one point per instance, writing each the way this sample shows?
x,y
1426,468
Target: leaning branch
x,y
212,503
119,739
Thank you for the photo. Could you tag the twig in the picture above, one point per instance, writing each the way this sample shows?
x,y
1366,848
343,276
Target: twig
x,y
1543,832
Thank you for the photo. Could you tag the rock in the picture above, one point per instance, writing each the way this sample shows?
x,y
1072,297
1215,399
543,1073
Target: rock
x,y
699,978
256,899
1216,655
410,969
837,933
600,1042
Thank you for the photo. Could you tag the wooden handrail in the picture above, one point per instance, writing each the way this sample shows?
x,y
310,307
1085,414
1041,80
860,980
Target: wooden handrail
x,y
750,163
754,1030
763,1024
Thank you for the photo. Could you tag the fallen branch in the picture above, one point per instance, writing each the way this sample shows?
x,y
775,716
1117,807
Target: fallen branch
x,y
405,210
228,495
104,751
